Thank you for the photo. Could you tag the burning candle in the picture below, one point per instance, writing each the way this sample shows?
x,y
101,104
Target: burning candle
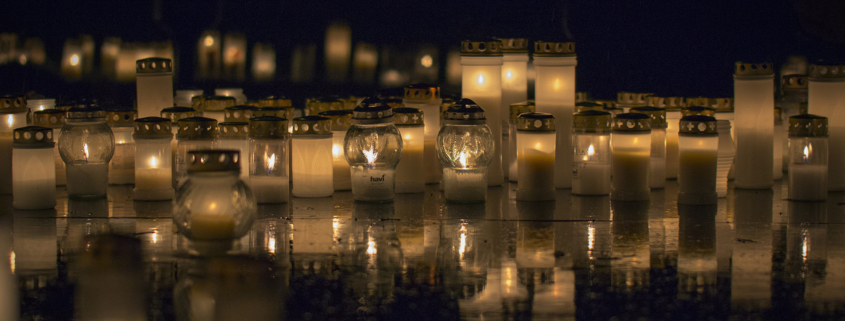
x,y
153,172
554,65
154,85
698,147
427,99
33,174
311,165
195,133
86,145
55,119
515,110
12,115
657,162
808,155
268,169
536,157
122,163
340,122
481,64
410,173
514,78
794,90
591,160
631,149
754,99
373,148
826,98
465,148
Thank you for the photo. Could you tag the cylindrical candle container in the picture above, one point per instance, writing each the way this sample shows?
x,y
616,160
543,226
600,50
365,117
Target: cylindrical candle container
x,y
122,163
39,104
410,173
268,164
427,98
794,92
195,133
465,148
213,204
591,161
673,107
34,172
373,148
153,159
214,107
514,75
481,65
239,113
581,96
237,93
777,148
536,157
753,100
154,85
698,110
630,145
235,136
554,91
727,151
55,119
184,97
317,106
175,114
725,111
698,148
340,122
13,112
515,110
808,158
311,164
657,163
827,99
86,145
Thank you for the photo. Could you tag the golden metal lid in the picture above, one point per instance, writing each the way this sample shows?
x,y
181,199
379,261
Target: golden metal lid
x,y
554,49
121,118
312,125
721,105
12,104
588,105
240,113
422,91
698,125
408,116
535,122
582,96
197,102
341,120
394,102
153,65
372,111
33,137
520,108
592,121
318,106
778,114
275,101
698,110
794,82
633,99
631,122
821,72
281,112
808,125
153,128
657,114
695,101
486,47
53,118
268,127
214,160
86,111
217,103
669,103
177,113
444,106
606,104
754,69
464,112
514,45
197,128
233,129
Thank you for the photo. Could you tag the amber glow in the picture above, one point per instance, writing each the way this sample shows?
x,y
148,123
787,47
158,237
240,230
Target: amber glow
x,y
271,162
209,41
463,159
10,120
85,151
74,60
153,162
509,74
480,79
806,153
426,61
371,155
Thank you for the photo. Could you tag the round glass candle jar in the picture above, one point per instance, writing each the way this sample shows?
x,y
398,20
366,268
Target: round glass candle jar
x,y
214,107
235,136
33,170
154,85
808,158
536,157
340,122
426,98
122,163
184,97
195,133
630,145
698,150
515,110
591,160
153,159
86,145
465,148
657,162
373,148
311,160
410,172
55,119
213,204
13,113
268,163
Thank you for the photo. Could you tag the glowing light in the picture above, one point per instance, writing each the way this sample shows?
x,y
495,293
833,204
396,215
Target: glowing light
x,y
336,150
212,206
590,152
481,79
371,156
806,153
41,107
805,240
22,60
557,84
407,136
426,61
463,247
12,260
153,162
463,159
371,247
591,238
10,120
85,151
509,74
209,41
271,244
155,236
74,60
271,162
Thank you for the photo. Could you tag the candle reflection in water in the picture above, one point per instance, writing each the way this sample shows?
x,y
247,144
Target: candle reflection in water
x,y
463,256
697,252
807,268
111,283
631,245
751,266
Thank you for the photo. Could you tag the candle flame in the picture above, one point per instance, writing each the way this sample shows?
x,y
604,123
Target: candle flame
x,y
153,162
371,155
10,120
480,79
509,74
85,151
336,150
209,41
463,247
806,153
463,159
590,152
557,84
271,162
74,60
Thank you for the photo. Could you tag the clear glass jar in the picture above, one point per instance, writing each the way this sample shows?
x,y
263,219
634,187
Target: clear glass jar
x,y
122,163
33,174
698,150
195,133
235,136
631,148
153,159
536,157
591,158
340,122
86,145
808,157
213,204
55,119
410,173
268,164
515,111
465,149
657,162
373,147
13,113
426,97
311,149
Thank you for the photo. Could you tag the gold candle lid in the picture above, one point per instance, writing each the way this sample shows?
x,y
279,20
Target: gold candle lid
x,y
214,160
121,118
754,69
794,82
233,129
33,137
698,110
582,96
721,105
197,102
535,122
520,108
318,106
372,111
658,115
217,103
514,45
464,112
422,91
177,113
485,47
281,112
588,105
153,65
86,111
826,72
633,99
12,104
196,128
554,49
240,113
669,103
312,125
698,125
695,101
632,122
153,128
808,125
592,121
275,101
341,120
606,104
394,102
268,127
53,118
408,116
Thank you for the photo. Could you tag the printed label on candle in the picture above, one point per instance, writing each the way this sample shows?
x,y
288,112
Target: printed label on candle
x,y
371,184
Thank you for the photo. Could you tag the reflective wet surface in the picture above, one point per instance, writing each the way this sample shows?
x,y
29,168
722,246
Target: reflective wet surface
x,y
752,256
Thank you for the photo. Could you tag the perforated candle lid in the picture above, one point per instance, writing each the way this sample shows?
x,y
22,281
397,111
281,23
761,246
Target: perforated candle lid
x,y
33,137
197,128
275,101
606,104
394,102
53,118
695,101
233,130
320,105
554,49
753,69
794,82
213,160
587,105
121,118
514,45
153,65
808,125
721,105
669,103
658,115
372,111
520,108
633,99
481,47
422,91
340,119
217,103
592,121
240,113
268,127
12,103
632,122
698,125
535,122
281,112
312,125
177,113
408,116
86,112
464,112
698,110
827,72
153,128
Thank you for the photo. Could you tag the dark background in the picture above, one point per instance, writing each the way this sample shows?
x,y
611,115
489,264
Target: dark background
x,y
671,48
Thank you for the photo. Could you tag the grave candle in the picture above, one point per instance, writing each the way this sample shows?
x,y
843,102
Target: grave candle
x,y
515,110
33,174
153,159
154,85
122,163
631,147
55,119
86,145
268,164
311,165
214,107
340,122
427,99
410,173
808,158
827,98
12,115
698,148
754,99
536,157
554,66
481,65
465,148
373,148
591,160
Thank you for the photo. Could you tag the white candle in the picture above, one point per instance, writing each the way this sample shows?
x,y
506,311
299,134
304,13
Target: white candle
x,y
630,173
697,174
536,175
482,82
152,178
465,185
826,97
589,178
92,180
372,184
34,178
154,85
554,65
311,166
807,182
409,177
270,189
754,102
340,167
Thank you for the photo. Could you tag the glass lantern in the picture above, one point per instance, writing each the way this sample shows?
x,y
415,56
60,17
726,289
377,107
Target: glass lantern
x,y
268,164
780,138
235,136
698,150
122,164
239,113
536,157
214,107
591,159
410,173
657,163
554,66
154,85
195,133
86,145
481,65
754,99
340,122
13,112
184,97
673,106
515,110
630,145
808,158
311,160
237,93
465,148
55,119
34,172
373,147
427,99
213,204
153,159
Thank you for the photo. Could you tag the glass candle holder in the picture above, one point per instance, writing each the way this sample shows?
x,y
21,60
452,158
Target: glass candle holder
x,y
340,122
657,163
235,136
780,138
195,133
278,106
630,145
754,99
427,99
239,113
591,160
514,75
554,67
153,159
410,172
481,65
237,93
536,157
317,106
13,112
373,147
268,165
311,164
673,106
515,110
214,107
122,163
34,172
55,119
86,145
827,99
808,158
465,148
213,204
154,85
698,148
40,104
184,97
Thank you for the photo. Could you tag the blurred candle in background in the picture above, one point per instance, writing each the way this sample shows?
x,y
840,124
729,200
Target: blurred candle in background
x,y
481,64
427,99
13,112
234,57
184,97
338,49
263,62
754,100
554,91
827,99
154,85
214,107
209,56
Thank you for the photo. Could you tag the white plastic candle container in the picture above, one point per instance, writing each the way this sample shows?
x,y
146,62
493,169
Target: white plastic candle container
x,y
780,137
311,165
536,157
465,148
591,160
410,173
34,172
153,159
154,85
268,163
514,75
122,163
827,99
657,163
12,115
175,114
340,168
235,136
184,97
630,145
373,148
427,99
40,104
195,133
214,107
808,158
481,64
86,145
698,148
673,107
55,119
554,91
515,110
754,100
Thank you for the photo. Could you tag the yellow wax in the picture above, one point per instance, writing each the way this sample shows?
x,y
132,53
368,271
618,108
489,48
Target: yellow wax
x,y
697,171
536,175
410,176
212,226
152,178
630,174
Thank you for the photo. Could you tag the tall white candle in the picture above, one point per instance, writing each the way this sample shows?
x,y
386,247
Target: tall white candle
x,y
481,63
12,115
410,176
514,74
631,148
311,163
554,91
827,98
515,110
698,144
754,101
153,172
33,175
591,160
154,85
